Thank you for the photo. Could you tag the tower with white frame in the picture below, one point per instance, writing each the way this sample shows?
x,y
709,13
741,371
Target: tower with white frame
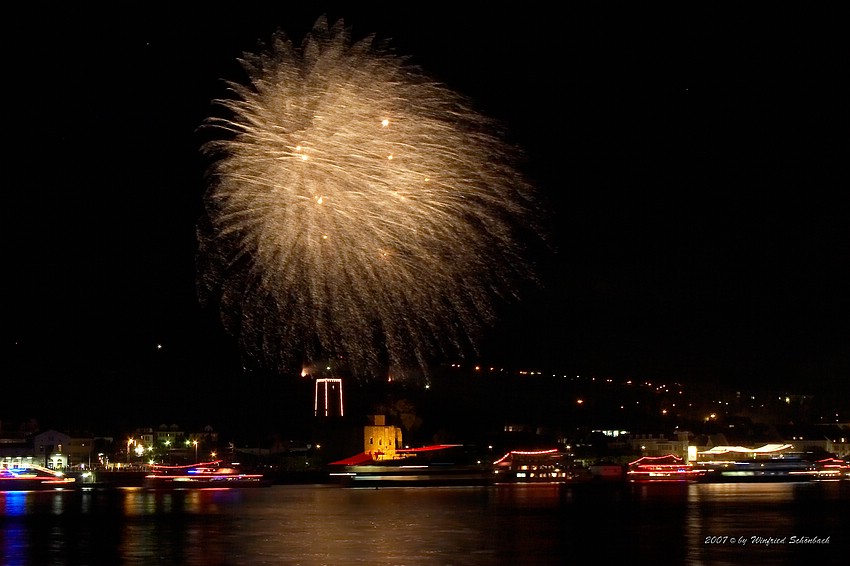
x,y
327,398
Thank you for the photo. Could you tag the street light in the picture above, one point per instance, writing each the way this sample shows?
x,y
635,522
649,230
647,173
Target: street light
x,y
195,442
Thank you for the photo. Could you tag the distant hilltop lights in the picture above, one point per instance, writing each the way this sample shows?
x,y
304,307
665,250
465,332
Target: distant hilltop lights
x,y
593,379
632,397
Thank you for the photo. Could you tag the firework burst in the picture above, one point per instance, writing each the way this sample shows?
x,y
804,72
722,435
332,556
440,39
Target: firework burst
x,y
356,208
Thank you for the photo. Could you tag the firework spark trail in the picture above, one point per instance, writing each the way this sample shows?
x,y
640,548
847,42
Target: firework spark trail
x,y
357,207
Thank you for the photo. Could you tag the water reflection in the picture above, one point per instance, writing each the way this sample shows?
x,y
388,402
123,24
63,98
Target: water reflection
x,y
728,521
504,524
13,503
13,536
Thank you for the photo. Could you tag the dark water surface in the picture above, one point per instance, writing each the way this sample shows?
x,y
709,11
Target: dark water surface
x,y
503,524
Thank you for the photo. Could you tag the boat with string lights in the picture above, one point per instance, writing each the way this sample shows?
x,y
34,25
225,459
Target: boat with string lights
x,y
832,469
536,466
31,477
669,468
207,475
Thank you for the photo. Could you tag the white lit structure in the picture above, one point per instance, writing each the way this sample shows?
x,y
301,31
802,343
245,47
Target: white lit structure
x,y
326,402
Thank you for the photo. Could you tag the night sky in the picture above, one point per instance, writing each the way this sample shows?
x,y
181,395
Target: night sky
x,y
694,164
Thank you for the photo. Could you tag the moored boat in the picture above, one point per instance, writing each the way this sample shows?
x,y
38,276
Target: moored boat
x,y
533,466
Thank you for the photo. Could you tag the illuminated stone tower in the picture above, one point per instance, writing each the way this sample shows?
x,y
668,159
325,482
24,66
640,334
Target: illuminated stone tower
x,y
327,398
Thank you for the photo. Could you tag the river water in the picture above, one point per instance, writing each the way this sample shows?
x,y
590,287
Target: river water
x,y
502,524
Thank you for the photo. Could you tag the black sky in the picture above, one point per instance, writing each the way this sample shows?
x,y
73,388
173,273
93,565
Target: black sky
x,y
695,164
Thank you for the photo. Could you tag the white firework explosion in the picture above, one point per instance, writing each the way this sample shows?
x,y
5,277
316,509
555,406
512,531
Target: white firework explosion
x,y
357,208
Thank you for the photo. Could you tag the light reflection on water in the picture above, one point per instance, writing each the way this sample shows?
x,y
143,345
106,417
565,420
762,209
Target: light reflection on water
x,y
742,511
503,524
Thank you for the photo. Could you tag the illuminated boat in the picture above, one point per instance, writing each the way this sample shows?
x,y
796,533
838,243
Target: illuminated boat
x,y
436,465
524,466
29,477
832,469
768,463
202,476
779,470
663,468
